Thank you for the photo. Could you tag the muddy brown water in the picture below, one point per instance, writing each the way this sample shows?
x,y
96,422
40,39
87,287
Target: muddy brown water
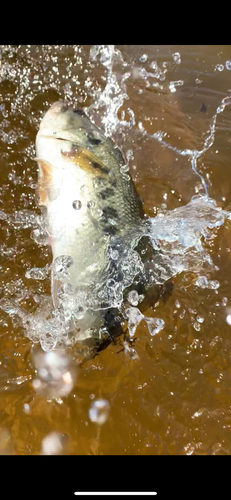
x,y
175,397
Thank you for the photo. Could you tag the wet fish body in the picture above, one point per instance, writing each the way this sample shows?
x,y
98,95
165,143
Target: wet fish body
x,y
92,208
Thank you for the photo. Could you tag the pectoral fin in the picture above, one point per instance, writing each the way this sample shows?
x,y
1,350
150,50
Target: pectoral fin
x,y
45,179
87,161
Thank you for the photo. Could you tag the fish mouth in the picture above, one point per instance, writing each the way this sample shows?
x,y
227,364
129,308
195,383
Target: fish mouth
x,y
60,122
57,108
61,106
64,123
55,112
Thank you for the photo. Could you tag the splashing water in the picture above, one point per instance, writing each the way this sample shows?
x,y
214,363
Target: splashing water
x,y
134,316
112,97
56,375
193,154
178,237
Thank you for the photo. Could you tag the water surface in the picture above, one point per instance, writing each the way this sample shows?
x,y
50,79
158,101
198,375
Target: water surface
x,y
167,107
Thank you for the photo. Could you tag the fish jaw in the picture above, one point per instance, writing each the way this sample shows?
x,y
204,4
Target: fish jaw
x,y
64,123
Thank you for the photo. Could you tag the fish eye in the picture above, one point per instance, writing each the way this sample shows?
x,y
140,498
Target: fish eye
x,y
93,140
79,111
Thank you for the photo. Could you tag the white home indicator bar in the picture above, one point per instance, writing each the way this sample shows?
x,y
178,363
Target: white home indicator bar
x,y
115,493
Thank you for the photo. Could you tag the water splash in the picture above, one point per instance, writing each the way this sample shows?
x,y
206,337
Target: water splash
x,y
134,316
112,98
99,411
203,282
37,273
193,154
179,237
56,374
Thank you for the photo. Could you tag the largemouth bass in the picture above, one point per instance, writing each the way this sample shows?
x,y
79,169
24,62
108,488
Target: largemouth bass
x,y
94,216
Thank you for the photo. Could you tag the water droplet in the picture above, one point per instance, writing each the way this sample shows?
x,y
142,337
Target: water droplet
x,y
129,351
56,374
114,254
172,88
228,319
90,204
202,282
53,443
133,297
228,65
79,313
99,411
155,325
61,265
176,57
77,204
143,58
129,155
154,66
219,67
39,236
196,327
26,408
200,319
124,169
214,284
37,273
173,85
134,318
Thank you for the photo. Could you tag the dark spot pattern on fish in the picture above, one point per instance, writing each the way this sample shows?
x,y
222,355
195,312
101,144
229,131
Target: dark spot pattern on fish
x,y
93,140
118,155
112,230
106,193
109,213
86,160
99,167
112,181
79,111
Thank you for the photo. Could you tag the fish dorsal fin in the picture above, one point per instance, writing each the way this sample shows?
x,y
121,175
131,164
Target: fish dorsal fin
x,y
87,161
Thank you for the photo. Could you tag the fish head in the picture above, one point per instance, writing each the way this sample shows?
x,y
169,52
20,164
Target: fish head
x,y
68,139
63,128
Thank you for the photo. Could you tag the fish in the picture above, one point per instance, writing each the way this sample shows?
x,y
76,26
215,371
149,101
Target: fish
x,y
94,218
